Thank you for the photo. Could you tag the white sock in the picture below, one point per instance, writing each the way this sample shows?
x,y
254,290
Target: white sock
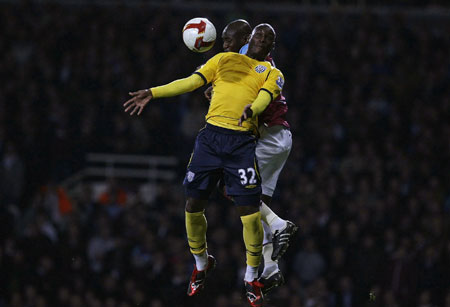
x,y
270,266
251,273
267,238
274,221
201,261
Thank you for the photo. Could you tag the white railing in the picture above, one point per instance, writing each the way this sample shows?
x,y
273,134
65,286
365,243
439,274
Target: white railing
x,y
144,168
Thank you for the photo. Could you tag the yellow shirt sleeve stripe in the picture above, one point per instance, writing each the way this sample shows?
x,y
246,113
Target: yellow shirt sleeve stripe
x,y
201,75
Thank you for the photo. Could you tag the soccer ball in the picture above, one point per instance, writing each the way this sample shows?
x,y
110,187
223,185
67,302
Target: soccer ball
x,y
199,34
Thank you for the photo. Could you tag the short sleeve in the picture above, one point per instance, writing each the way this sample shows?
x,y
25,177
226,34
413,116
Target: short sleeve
x,y
274,83
209,69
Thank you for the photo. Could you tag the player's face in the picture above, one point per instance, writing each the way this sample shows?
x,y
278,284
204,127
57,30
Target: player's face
x,y
262,41
230,41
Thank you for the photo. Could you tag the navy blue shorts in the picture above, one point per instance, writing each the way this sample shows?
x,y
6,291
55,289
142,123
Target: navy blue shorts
x,y
219,151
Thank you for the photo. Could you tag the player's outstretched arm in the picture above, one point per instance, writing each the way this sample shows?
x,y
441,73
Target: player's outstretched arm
x,y
138,102
142,97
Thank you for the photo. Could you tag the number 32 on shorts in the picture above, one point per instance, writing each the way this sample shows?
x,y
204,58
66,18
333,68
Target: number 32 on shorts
x,y
247,176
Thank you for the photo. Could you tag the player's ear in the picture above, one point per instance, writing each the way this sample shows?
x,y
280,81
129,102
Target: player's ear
x,y
247,38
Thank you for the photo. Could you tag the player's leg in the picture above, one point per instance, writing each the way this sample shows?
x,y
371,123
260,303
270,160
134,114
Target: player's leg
x,y
243,184
272,152
253,237
201,177
196,226
271,277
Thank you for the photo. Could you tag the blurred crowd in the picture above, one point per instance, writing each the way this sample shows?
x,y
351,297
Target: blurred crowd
x,y
367,180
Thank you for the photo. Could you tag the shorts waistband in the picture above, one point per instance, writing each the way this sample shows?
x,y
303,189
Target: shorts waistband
x,y
227,131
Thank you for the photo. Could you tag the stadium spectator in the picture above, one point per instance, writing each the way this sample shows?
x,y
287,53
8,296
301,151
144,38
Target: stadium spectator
x,y
12,176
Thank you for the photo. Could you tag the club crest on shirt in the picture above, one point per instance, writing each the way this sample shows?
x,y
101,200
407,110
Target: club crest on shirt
x,y
280,82
190,176
260,68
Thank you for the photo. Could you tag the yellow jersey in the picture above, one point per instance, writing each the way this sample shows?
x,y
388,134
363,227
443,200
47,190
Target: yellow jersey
x,y
237,80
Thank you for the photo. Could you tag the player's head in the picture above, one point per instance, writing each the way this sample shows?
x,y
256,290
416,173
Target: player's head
x,y
262,41
235,35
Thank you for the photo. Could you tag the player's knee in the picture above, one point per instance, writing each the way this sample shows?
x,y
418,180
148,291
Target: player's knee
x,y
266,199
195,205
247,204
247,210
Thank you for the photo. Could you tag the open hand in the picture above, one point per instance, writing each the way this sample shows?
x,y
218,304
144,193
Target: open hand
x,y
138,102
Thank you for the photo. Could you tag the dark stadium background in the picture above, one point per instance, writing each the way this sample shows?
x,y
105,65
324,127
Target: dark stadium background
x,y
367,83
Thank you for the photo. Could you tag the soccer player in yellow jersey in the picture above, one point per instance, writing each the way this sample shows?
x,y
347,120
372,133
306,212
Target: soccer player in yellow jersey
x,y
226,146
272,150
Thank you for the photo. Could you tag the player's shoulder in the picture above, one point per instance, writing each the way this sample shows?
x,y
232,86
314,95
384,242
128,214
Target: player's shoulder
x,y
277,71
276,76
261,63
268,64
231,54
218,55
226,55
274,71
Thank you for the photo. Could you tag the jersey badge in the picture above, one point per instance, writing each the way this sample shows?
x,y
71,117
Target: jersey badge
x,y
190,176
260,69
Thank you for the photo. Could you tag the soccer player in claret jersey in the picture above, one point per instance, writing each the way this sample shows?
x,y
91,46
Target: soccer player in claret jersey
x,y
272,151
226,146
